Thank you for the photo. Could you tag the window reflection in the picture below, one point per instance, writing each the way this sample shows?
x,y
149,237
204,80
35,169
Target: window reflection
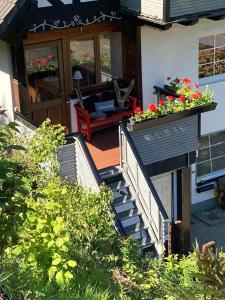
x,y
42,73
83,60
211,55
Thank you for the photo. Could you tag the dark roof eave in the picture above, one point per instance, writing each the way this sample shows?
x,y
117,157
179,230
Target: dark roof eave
x,y
12,18
190,19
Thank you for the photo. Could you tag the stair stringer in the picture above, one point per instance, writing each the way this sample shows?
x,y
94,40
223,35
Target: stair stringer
x,y
159,246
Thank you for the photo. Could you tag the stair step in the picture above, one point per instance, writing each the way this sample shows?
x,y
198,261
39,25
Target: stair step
x,y
131,221
111,174
118,185
148,244
127,213
139,234
121,207
123,199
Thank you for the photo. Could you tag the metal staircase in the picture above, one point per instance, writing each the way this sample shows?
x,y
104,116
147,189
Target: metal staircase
x,y
129,219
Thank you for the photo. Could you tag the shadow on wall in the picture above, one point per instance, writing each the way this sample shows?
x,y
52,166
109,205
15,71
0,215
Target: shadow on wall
x,y
5,79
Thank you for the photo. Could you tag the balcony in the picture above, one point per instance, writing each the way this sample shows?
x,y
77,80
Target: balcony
x,y
166,12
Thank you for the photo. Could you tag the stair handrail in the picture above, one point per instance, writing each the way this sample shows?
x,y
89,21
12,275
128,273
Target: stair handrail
x,y
162,211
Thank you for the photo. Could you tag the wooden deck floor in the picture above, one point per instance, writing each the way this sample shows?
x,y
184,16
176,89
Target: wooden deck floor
x,y
104,148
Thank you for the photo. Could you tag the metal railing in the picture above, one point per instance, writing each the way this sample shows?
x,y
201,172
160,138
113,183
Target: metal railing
x,y
153,211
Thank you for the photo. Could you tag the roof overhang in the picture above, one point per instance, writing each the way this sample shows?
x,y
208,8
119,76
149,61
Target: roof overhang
x,y
14,15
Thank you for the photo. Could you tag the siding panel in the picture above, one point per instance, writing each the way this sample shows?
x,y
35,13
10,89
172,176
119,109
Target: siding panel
x,y
185,7
149,8
155,144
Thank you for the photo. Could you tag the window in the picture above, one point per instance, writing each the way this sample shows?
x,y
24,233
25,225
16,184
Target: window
x,y
211,155
97,59
43,76
212,55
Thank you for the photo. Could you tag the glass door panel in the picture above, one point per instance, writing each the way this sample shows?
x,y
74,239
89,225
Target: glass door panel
x,y
82,56
43,76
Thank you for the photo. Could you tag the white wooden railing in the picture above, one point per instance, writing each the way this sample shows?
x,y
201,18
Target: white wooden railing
x,y
147,199
76,164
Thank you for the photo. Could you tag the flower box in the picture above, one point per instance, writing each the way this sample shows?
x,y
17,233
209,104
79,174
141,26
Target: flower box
x,y
134,126
167,137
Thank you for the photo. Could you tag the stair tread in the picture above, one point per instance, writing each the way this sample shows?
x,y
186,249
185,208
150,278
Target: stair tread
x,y
118,185
136,215
123,199
124,206
139,230
127,213
131,221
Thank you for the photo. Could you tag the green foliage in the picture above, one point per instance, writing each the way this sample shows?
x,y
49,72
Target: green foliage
x,y
45,142
44,244
57,240
10,181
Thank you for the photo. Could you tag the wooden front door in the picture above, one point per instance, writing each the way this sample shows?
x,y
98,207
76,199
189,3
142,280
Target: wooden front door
x,y
45,84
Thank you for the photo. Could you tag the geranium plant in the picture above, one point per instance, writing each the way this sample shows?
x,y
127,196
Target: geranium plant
x,y
189,97
173,84
47,63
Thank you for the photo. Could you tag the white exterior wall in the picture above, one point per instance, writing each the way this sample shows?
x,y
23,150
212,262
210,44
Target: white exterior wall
x,y
6,79
175,53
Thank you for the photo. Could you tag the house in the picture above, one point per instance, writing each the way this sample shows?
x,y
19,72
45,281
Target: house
x,y
45,43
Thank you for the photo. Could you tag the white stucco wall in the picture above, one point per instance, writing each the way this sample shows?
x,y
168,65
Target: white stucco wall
x,y
6,79
175,53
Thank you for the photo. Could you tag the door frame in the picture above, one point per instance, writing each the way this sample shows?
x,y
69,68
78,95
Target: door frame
x,y
29,107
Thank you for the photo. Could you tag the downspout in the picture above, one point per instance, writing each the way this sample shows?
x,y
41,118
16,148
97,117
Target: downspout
x,y
166,11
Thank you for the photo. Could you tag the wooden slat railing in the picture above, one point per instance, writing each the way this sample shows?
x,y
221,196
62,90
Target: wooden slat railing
x,y
153,211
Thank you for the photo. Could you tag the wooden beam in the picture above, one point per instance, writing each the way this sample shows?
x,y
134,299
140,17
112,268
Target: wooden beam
x,y
186,208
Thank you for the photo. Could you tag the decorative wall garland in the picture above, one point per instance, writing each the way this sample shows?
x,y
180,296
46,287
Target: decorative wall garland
x,y
76,21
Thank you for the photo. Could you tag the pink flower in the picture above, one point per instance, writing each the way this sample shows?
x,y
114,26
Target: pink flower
x,y
153,107
50,56
186,80
86,54
196,85
161,102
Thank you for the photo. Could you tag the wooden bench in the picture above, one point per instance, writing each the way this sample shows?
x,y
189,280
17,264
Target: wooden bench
x,y
86,125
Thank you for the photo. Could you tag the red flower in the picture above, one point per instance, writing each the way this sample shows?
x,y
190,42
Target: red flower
x,y
168,78
43,61
137,110
161,102
153,107
181,99
196,95
186,80
170,98
196,85
177,80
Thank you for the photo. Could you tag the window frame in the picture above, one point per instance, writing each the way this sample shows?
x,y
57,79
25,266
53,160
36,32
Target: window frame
x,y
214,62
212,174
96,38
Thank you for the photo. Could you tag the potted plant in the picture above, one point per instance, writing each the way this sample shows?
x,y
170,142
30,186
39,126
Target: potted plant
x,y
171,128
188,101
